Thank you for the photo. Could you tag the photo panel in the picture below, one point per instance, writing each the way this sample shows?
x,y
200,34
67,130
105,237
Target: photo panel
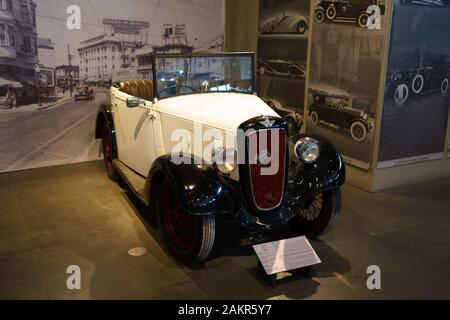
x,y
58,60
416,107
347,53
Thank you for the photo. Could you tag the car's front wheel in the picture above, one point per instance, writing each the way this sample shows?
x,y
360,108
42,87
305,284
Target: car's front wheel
x,y
444,87
319,214
315,118
363,20
358,131
302,27
189,238
331,12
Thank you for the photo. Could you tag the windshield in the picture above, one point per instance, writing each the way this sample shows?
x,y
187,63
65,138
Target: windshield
x,y
184,75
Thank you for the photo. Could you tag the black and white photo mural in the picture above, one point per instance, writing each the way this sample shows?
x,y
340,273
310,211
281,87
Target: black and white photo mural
x,y
284,29
417,96
59,58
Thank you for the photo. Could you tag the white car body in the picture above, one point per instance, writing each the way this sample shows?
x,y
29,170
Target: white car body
x,y
145,133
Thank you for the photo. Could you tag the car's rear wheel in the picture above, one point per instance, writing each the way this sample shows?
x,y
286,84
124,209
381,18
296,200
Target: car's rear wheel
x,y
189,238
319,214
109,154
319,15
358,131
331,12
302,27
418,84
315,118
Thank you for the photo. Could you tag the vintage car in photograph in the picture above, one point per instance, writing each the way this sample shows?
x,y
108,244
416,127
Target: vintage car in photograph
x,y
432,74
248,170
346,10
283,68
293,23
293,117
83,93
337,109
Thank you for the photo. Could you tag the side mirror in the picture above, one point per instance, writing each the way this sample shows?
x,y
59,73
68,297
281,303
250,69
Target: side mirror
x,y
133,103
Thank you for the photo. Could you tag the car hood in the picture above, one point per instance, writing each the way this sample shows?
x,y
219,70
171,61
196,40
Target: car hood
x,y
220,110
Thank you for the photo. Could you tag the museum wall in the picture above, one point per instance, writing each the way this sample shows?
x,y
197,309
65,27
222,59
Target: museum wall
x,y
49,50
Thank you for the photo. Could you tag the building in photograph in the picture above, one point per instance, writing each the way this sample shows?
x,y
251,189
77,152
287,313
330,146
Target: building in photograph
x,y
111,57
67,75
18,45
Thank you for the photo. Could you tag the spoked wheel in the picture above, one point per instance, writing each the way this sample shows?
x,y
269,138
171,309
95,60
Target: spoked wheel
x,y
319,15
358,131
189,238
319,214
109,154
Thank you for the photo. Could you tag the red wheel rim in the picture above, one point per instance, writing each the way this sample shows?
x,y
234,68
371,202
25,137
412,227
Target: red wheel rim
x,y
180,225
108,151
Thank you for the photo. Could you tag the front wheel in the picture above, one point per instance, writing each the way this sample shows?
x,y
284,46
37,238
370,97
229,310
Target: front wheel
x,y
189,238
319,15
358,131
302,27
319,214
331,12
363,20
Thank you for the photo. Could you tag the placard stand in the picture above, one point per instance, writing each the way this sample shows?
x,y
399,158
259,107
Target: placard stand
x,y
272,279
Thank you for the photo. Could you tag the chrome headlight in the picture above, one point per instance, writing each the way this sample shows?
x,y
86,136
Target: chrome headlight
x,y
307,150
225,160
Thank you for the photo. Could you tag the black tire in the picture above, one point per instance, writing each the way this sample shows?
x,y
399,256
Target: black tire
x,y
109,154
189,238
319,15
444,87
302,27
324,218
417,84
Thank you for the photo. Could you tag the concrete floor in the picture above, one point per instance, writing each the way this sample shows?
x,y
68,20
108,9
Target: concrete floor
x,y
73,215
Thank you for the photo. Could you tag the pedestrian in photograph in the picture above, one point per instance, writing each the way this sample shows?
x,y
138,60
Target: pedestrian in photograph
x,y
91,95
11,98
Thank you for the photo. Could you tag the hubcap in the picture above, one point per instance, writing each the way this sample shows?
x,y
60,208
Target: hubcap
x,y
312,209
180,225
358,132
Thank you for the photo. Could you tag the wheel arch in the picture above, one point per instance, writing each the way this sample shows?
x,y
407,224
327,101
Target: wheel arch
x,y
200,189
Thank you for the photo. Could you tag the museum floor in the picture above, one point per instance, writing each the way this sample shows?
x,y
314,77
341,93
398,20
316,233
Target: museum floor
x,y
73,215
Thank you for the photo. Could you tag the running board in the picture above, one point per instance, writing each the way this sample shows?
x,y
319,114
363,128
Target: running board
x,y
134,180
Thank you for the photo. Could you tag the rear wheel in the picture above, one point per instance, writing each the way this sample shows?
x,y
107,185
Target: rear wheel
x,y
189,238
319,215
314,118
418,84
109,154
319,15
331,12
444,86
363,20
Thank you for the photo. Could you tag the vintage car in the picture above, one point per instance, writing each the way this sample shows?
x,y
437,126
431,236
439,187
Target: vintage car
x,y
430,75
285,24
293,118
283,68
337,109
197,152
83,93
346,10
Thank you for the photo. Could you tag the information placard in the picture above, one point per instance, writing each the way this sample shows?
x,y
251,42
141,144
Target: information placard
x,y
286,255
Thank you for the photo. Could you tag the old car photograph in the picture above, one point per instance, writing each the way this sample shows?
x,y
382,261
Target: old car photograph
x,y
83,93
293,23
431,74
337,109
282,68
346,11
137,130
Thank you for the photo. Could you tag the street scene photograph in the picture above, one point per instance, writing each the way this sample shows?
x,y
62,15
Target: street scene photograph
x,y
58,60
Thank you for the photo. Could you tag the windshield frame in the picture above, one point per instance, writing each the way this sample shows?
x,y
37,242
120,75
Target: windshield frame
x,y
202,55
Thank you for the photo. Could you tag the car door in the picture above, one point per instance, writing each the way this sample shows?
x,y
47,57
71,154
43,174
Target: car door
x,y
134,133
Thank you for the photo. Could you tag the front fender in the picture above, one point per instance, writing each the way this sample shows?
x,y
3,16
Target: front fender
x,y
103,117
200,189
327,173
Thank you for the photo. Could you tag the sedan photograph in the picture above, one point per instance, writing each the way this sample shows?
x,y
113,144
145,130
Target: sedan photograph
x,y
285,24
282,68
